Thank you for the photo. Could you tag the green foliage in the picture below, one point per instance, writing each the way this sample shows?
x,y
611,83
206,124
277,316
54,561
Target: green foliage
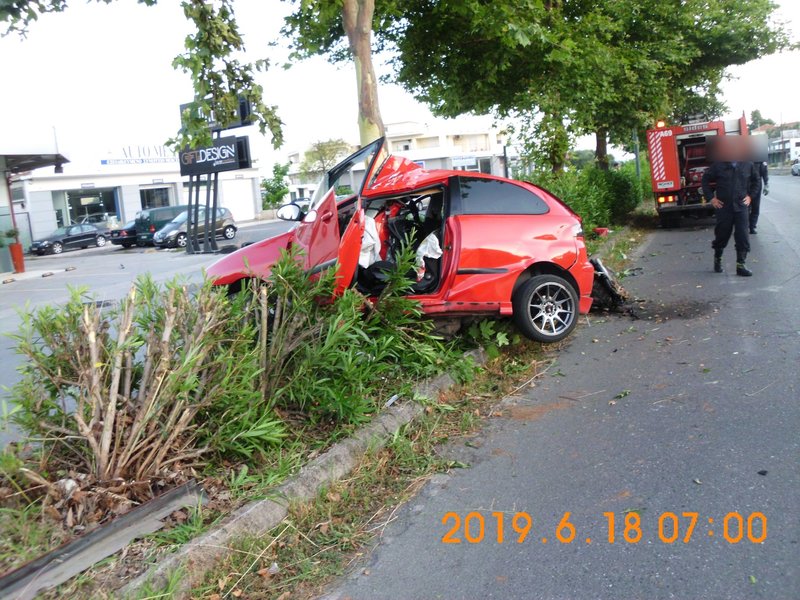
x,y
606,66
321,157
757,120
491,335
339,356
274,189
600,197
25,535
184,531
121,399
116,392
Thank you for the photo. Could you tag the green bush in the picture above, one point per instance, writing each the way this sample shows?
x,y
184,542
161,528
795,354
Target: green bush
x,y
601,198
117,400
344,354
116,392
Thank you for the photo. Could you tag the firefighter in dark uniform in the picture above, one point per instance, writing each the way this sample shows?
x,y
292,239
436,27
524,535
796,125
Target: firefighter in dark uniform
x,y
737,183
755,205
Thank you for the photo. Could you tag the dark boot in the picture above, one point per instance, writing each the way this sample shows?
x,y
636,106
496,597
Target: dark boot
x,y
741,269
717,261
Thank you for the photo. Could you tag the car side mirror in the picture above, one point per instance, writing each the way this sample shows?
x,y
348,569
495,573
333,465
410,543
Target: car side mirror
x,y
290,212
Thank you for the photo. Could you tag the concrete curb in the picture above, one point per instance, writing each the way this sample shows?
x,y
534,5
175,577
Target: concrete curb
x,y
256,518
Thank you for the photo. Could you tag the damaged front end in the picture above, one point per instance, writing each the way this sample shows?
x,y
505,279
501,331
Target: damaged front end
x,y
607,293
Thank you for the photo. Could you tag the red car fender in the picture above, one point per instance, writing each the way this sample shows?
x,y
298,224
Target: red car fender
x,y
253,261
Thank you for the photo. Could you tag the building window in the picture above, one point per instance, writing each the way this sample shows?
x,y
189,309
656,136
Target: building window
x,y
97,206
491,197
154,198
486,165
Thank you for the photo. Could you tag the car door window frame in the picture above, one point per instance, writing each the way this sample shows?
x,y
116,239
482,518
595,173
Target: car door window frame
x,y
457,202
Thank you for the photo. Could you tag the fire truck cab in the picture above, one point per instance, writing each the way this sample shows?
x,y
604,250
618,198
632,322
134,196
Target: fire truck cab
x,y
679,155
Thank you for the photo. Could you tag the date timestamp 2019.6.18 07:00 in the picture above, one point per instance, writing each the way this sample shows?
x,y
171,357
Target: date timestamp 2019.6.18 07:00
x,y
670,528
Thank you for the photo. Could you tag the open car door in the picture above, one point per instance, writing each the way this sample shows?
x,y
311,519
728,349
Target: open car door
x,y
319,236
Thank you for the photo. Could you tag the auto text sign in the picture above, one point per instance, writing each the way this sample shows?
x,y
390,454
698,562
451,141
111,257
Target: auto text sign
x,y
221,156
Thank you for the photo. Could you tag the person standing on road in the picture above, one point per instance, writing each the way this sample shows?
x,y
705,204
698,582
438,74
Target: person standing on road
x,y
736,183
755,205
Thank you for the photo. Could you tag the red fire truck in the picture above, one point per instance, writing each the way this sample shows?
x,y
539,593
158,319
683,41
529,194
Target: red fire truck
x,y
679,156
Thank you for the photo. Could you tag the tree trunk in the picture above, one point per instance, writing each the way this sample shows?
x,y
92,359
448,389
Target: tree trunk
x,y
357,21
601,148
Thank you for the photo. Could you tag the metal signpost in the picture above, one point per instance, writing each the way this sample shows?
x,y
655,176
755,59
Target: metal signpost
x,y
203,166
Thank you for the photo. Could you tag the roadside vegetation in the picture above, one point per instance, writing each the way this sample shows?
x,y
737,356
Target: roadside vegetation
x,y
118,403
602,197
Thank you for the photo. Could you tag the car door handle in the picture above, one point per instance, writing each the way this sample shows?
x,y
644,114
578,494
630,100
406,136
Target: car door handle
x,y
327,217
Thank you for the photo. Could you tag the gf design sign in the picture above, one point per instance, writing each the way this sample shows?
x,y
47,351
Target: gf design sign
x,y
222,155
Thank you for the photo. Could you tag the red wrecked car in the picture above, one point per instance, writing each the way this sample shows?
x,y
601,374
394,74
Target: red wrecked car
x,y
484,245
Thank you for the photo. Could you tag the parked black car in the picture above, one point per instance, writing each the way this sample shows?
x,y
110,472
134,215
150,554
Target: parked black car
x,y
125,236
70,237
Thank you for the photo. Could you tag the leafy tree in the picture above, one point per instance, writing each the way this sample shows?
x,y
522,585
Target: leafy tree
x,y
581,158
756,120
218,77
321,156
343,29
275,188
601,66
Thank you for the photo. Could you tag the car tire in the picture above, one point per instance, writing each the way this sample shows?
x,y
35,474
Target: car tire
x,y
546,308
126,246
57,247
101,241
180,240
229,232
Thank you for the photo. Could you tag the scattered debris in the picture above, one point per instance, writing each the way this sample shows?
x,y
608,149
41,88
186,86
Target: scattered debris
x,y
697,481
68,269
391,400
763,472
9,280
47,274
607,293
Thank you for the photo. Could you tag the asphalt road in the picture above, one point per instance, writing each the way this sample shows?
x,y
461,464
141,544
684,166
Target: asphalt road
x,y
692,408
108,273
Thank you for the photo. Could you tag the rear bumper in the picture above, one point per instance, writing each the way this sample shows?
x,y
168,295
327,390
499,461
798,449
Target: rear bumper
x,y
583,272
685,208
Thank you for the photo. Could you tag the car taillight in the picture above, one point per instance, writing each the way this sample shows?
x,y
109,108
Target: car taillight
x,y
666,199
123,233
152,228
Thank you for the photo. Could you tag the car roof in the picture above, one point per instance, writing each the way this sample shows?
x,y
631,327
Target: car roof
x,y
399,174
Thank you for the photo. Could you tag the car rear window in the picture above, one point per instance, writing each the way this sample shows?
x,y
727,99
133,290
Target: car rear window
x,y
493,197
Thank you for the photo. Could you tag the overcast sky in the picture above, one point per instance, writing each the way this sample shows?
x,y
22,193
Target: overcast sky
x,y
101,76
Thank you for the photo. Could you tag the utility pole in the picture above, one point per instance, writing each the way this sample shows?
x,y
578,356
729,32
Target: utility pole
x,y
636,153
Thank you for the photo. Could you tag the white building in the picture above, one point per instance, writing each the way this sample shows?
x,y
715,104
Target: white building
x,y
785,149
112,188
459,144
